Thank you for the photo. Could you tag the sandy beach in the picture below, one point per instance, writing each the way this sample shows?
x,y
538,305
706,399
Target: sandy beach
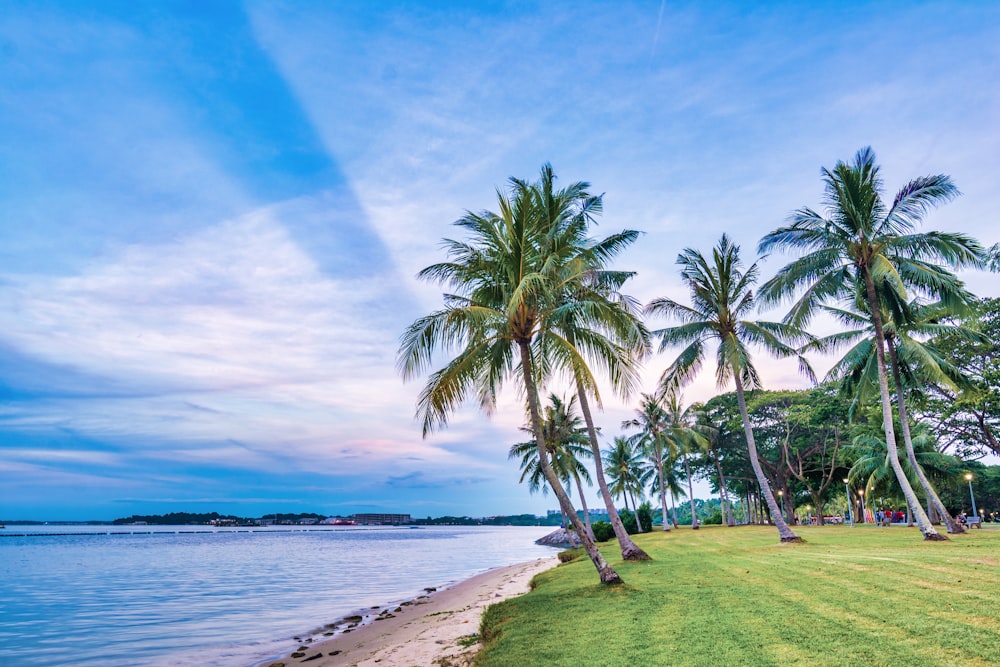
x,y
425,631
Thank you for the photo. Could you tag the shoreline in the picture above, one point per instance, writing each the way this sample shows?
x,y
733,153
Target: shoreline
x,y
421,631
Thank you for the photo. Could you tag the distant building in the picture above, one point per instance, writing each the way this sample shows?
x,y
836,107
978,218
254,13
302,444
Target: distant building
x,y
382,519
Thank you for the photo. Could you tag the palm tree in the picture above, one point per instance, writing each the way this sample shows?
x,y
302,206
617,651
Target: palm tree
x,y
567,444
721,295
862,245
610,332
628,473
686,439
650,419
506,284
672,483
911,361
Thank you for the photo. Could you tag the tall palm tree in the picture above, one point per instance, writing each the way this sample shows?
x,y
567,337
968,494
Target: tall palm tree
x,y
911,362
507,292
628,473
568,446
863,245
610,330
650,419
721,296
686,439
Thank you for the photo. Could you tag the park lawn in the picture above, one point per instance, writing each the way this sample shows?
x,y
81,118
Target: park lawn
x,y
736,596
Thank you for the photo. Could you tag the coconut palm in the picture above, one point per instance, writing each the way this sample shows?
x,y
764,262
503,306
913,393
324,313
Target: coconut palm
x,y
911,361
650,419
672,482
628,473
721,296
686,439
862,245
506,283
609,329
568,446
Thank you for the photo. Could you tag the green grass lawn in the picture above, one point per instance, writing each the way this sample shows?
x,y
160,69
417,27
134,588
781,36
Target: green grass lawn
x,y
736,596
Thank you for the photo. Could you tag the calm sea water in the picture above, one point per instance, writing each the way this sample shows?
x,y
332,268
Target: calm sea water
x,y
214,597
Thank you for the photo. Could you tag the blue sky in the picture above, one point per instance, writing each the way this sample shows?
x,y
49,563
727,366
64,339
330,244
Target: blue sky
x,y
212,213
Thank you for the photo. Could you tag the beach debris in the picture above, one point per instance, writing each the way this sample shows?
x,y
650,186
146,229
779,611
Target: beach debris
x,y
298,654
352,619
430,589
277,664
313,657
334,652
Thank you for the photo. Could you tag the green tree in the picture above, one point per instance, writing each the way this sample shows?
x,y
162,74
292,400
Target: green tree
x,y
627,472
862,245
567,445
968,420
721,296
650,419
507,291
914,363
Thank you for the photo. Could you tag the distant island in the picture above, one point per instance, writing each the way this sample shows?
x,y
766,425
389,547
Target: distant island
x,y
312,519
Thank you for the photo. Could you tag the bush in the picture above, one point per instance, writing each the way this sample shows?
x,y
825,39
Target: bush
x,y
715,519
602,531
645,513
628,520
570,554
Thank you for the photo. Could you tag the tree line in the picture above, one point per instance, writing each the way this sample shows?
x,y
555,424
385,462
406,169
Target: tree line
x,y
533,300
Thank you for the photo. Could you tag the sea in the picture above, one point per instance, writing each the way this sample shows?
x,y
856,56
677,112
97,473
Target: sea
x,y
199,596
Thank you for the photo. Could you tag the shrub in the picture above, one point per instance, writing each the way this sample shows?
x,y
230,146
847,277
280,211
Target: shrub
x,y
628,520
570,554
715,519
645,513
602,531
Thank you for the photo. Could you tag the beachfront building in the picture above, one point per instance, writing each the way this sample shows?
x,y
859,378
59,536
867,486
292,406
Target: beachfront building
x,y
382,519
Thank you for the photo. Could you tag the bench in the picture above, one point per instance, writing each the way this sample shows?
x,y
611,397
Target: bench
x,y
974,521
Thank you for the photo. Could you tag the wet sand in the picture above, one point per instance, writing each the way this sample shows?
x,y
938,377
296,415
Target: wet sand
x,y
431,630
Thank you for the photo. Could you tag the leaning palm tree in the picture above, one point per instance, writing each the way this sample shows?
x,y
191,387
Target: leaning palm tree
x,y
721,296
912,361
568,446
506,284
594,317
863,245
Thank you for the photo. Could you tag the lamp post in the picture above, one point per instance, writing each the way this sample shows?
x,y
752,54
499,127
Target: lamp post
x,y
968,478
850,513
781,505
809,515
864,508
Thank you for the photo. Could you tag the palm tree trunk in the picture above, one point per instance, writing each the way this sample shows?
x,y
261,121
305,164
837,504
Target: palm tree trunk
x,y
570,535
786,533
635,512
673,511
583,504
694,515
890,434
663,491
932,497
630,550
605,571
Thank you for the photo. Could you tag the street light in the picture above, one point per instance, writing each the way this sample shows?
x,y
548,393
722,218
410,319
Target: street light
x,y
781,505
847,490
968,478
864,508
